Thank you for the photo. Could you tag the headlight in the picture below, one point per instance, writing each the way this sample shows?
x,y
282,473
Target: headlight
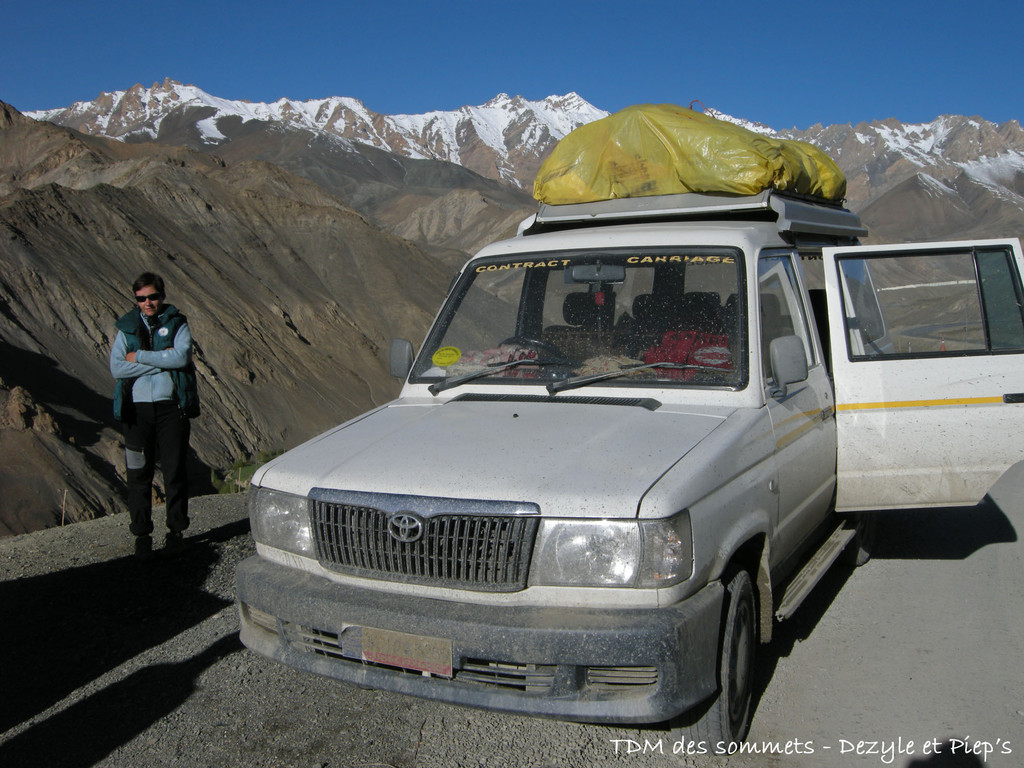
x,y
586,552
281,520
613,553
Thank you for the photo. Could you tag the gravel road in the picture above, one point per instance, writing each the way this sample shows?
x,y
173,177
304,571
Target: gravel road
x,y
113,663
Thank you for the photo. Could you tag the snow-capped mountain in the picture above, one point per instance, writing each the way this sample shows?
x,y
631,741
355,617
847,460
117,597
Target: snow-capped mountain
x,y
949,150
495,140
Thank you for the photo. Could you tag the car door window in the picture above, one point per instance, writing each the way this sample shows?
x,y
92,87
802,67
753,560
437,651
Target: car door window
x,y
932,304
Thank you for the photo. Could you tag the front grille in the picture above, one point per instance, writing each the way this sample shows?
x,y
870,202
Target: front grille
x,y
479,552
619,678
530,678
313,640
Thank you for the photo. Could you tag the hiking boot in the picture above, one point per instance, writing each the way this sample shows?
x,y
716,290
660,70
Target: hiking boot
x,y
174,544
143,548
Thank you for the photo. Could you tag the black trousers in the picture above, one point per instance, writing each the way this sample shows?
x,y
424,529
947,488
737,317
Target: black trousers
x,y
157,430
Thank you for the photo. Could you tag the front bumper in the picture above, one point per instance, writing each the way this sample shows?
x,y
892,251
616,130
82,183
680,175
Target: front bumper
x,y
587,664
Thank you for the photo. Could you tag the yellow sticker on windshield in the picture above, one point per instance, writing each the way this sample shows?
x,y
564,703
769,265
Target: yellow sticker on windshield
x,y
446,356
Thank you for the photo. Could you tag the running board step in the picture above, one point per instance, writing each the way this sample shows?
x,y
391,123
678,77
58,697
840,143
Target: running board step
x,y
802,584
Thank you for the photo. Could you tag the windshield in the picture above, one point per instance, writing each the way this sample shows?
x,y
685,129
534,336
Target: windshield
x,y
650,317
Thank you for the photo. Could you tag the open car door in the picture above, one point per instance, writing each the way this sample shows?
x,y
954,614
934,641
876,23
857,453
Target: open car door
x,y
928,362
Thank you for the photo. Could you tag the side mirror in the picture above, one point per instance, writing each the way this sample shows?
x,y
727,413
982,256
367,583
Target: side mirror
x,y
401,358
789,363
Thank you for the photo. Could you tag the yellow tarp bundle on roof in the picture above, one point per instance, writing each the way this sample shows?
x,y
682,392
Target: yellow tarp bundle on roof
x,y
663,149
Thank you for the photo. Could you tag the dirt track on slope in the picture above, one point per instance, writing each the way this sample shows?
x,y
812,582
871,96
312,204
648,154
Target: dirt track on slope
x,y
112,664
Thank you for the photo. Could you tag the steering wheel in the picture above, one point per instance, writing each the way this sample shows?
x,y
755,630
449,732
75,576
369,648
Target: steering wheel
x,y
541,346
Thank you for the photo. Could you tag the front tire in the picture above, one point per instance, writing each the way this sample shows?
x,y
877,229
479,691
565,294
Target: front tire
x,y
726,717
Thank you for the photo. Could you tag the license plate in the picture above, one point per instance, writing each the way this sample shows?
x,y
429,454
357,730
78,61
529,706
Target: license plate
x,y
398,649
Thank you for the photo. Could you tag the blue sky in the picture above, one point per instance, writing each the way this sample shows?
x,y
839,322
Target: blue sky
x,y
785,64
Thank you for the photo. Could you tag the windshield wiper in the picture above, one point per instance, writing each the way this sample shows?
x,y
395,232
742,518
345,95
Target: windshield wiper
x,y
454,381
582,381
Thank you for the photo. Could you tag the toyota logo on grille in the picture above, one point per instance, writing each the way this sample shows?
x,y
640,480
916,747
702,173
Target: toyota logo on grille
x,y
406,527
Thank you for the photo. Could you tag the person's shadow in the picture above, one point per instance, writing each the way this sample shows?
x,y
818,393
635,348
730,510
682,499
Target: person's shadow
x,y
89,730
64,630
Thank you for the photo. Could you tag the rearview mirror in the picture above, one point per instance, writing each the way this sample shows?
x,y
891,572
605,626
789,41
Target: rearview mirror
x,y
401,358
597,273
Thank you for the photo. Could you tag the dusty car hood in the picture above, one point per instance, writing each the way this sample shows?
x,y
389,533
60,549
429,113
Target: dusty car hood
x,y
571,458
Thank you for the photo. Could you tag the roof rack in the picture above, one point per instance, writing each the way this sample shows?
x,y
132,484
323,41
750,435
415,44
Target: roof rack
x,y
793,214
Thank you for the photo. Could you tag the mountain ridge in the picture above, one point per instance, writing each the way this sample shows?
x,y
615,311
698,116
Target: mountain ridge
x,y
507,138
476,137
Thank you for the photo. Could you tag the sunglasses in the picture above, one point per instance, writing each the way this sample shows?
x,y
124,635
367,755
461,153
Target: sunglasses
x,y
150,297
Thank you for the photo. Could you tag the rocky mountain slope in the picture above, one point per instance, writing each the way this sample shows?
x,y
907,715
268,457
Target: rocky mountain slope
x,y
292,297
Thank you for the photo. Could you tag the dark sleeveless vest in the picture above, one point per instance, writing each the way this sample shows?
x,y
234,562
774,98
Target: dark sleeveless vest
x,y
137,338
